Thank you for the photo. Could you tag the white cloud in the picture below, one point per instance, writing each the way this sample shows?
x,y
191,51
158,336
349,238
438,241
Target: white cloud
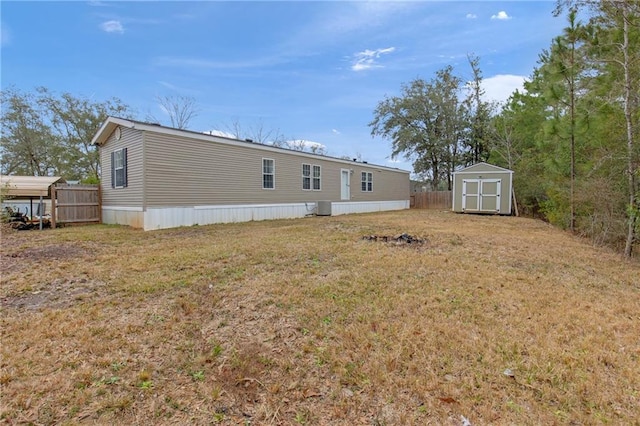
x,y
172,61
347,17
303,144
180,89
499,87
112,27
5,35
335,131
336,23
367,59
502,16
168,85
164,109
471,16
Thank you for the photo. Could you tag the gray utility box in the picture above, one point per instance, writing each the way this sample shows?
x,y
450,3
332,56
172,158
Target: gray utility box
x,y
323,208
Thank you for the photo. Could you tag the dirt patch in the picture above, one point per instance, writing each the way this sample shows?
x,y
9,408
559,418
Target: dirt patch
x,y
401,239
18,261
58,294
50,252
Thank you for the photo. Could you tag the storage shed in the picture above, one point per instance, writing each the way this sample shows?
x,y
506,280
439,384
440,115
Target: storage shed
x,y
482,188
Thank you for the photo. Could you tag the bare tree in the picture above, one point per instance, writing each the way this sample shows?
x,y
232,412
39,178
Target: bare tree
x,y
181,109
256,132
306,146
259,133
503,140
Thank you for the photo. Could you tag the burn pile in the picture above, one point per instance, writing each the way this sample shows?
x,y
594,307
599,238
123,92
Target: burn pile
x,y
400,239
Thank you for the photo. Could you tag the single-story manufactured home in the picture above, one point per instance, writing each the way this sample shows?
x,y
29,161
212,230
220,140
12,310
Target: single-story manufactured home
x,y
156,177
482,188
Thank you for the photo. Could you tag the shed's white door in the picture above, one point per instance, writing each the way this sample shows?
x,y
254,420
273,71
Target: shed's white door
x,y
490,195
481,195
345,186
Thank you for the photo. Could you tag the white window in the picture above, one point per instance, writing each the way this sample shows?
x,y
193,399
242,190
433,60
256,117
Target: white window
x,y
306,176
316,178
311,181
119,168
367,182
268,173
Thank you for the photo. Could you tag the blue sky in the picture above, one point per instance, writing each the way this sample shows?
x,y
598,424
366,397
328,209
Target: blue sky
x,y
313,71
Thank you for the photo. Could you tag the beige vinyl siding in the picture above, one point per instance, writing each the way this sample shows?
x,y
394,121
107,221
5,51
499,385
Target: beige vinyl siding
x,y
485,168
387,185
132,194
183,171
505,177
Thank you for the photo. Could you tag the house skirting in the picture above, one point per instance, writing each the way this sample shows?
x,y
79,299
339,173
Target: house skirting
x,y
348,207
132,216
172,217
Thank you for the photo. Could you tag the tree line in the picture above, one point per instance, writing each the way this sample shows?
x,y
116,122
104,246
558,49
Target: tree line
x,y
49,134
571,136
46,134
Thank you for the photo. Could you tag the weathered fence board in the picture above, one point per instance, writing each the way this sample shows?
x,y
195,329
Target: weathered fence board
x,y
432,200
76,204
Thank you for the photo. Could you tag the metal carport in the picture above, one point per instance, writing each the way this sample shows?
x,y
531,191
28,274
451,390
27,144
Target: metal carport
x,y
29,187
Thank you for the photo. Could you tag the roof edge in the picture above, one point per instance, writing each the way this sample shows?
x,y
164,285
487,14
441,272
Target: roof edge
x,y
108,127
484,163
27,186
112,122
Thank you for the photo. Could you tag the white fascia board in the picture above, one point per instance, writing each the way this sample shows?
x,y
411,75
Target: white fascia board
x,y
497,168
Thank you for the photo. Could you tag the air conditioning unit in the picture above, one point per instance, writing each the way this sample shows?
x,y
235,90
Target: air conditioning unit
x,y
323,208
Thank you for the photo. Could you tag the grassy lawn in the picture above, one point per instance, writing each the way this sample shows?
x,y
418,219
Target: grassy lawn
x,y
501,320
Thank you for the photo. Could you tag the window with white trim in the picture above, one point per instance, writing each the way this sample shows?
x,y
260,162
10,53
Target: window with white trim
x,y
306,176
311,177
367,182
316,178
119,168
268,173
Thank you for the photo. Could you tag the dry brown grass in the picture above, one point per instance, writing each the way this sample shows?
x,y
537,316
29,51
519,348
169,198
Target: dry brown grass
x,y
304,322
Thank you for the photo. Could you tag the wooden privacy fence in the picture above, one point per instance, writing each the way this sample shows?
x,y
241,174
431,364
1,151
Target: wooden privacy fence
x,y
75,204
432,200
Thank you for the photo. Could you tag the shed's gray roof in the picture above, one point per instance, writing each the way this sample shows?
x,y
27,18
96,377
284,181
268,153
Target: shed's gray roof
x,y
483,167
